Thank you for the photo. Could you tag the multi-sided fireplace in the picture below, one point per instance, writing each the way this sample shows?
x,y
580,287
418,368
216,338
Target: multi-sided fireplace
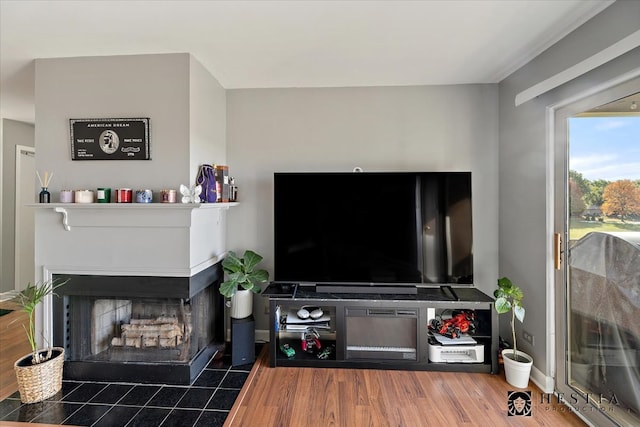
x,y
139,328
142,303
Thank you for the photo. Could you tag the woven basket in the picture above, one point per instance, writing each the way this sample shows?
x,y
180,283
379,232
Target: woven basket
x,y
41,381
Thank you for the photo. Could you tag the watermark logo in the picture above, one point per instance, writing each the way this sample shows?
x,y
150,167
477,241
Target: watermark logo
x,y
522,403
519,403
578,402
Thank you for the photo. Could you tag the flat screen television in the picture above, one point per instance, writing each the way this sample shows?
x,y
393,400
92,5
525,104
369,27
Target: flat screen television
x,y
385,229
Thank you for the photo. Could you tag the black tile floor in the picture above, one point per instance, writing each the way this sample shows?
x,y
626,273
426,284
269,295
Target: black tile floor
x,y
206,402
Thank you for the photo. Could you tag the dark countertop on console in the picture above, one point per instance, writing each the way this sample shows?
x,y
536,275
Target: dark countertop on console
x,y
294,291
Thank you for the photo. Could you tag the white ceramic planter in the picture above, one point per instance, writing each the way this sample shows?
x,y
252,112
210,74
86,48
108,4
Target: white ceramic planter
x,y
241,304
516,372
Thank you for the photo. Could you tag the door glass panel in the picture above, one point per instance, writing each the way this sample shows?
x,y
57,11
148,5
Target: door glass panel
x,y
603,284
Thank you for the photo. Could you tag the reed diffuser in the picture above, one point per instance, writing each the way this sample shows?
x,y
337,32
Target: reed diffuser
x,y
45,196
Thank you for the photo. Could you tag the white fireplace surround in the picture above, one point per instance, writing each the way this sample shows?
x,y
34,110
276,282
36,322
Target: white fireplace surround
x,y
165,240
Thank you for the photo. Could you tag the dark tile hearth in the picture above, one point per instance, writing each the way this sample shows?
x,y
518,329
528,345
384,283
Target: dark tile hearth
x,y
206,402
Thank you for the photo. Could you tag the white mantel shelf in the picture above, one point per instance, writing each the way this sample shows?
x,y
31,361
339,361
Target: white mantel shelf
x,y
120,206
128,214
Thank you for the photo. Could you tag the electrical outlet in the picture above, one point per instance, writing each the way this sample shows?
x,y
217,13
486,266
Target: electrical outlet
x,y
528,337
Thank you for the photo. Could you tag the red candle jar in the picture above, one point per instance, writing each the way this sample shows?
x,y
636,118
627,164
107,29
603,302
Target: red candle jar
x,y
123,195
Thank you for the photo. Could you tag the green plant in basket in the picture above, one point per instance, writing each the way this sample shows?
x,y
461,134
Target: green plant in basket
x,y
509,298
242,272
29,300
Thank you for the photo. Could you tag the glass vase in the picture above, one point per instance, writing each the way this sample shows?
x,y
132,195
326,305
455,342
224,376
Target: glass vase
x,y
45,196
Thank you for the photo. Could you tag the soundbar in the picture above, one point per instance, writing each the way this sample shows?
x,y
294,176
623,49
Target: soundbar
x,y
329,288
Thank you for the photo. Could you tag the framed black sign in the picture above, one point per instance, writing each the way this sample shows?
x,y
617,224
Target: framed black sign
x,y
110,139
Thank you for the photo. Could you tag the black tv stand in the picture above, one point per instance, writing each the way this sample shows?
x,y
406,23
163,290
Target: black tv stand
x,y
451,291
381,331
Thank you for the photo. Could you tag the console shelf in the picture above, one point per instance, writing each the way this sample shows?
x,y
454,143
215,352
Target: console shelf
x,y
381,331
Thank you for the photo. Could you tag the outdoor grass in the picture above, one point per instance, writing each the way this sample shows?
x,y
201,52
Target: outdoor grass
x,y
580,228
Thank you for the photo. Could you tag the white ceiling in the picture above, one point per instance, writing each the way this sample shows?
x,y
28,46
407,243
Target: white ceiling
x,y
266,44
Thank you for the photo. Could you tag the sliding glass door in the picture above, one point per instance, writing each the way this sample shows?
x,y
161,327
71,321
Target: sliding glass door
x,y
597,187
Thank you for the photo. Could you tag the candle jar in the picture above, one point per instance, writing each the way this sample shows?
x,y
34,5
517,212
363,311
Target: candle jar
x,y
123,195
104,195
144,196
168,196
84,196
66,196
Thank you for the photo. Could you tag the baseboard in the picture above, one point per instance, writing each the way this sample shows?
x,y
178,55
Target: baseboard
x,y
262,335
545,383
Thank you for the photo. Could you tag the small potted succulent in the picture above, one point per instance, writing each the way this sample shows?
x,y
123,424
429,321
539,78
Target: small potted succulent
x,y
243,280
517,364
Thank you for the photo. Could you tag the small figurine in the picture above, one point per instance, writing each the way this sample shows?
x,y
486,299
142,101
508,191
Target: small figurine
x,y
326,352
459,323
190,194
311,340
287,350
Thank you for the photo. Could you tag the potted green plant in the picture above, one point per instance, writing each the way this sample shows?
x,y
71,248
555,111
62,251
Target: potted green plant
x,y
517,364
243,280
39,373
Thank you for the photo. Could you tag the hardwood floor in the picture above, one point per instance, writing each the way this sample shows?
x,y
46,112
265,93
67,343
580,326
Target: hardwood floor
x,y
13,345
353,397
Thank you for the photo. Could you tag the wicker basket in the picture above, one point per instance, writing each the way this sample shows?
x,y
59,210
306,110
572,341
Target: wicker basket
x,y
41,381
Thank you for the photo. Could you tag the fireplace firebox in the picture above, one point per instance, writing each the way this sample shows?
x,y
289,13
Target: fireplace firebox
x,y
139,328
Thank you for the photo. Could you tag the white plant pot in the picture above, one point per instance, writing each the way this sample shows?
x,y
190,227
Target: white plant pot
x,y
516,372
241,304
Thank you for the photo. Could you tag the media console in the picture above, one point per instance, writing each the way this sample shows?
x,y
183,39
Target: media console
x,y
380,330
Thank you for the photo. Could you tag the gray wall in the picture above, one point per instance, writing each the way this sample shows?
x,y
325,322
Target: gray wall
x,y
154,86
185,105
12,133
377,128
207,119
524,202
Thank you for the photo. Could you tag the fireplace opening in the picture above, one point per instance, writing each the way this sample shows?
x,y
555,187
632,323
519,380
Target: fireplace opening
x,y
143,329
139,329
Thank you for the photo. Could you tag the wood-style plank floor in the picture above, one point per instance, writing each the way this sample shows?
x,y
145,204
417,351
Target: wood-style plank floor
x,y
308,397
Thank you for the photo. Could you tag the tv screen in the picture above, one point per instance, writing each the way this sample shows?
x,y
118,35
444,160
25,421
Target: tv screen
x,y
391,228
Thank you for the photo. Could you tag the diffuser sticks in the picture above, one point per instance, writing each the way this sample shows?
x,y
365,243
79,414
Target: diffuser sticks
x,y
45,196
